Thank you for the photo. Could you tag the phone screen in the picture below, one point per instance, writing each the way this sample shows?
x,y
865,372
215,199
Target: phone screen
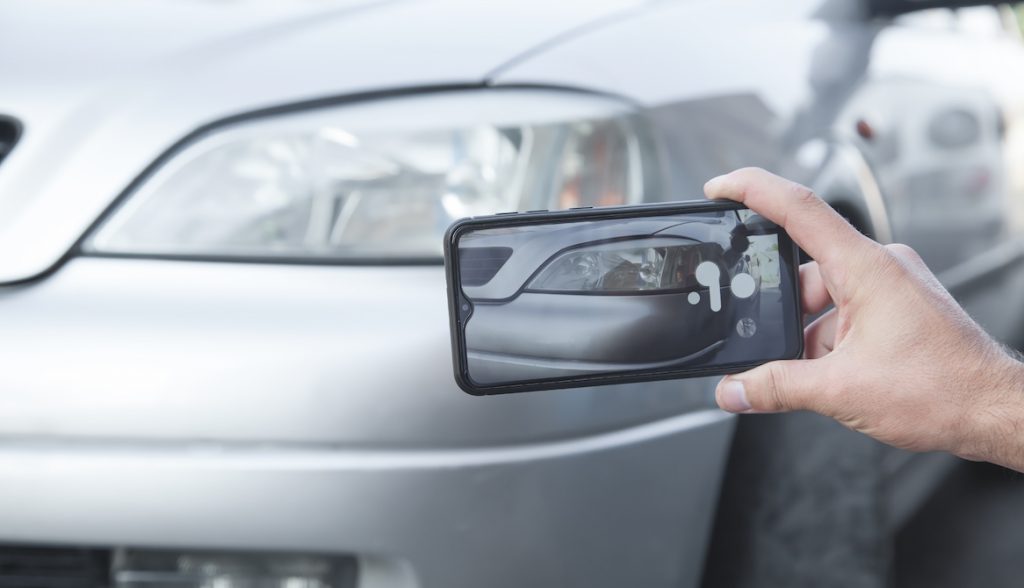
x,y
560,301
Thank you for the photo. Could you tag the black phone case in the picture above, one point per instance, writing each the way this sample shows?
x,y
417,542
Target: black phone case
x,y
509,219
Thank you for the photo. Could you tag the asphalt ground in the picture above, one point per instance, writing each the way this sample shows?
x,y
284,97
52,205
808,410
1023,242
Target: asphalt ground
x,y
970,533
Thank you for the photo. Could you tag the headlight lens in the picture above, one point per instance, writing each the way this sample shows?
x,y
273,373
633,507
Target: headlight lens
x,y
654,265
381,179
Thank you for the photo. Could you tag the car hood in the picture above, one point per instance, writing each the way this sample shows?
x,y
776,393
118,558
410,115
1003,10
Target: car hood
x,y
102,89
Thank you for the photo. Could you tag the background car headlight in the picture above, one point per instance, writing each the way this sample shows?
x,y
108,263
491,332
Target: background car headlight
x,y
380,179
625,266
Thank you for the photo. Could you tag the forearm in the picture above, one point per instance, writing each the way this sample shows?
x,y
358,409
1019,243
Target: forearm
x,y
994,423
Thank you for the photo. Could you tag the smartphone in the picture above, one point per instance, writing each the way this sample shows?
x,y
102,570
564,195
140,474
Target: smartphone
x,y
588,297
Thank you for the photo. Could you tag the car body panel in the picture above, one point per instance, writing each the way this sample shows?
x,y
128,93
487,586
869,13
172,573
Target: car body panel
x,y
601,330
136,349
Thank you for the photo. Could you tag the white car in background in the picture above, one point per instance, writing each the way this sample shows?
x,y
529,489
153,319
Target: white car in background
x,y
224,355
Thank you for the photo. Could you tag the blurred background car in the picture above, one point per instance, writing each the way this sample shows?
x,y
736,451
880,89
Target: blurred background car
x,y
223,330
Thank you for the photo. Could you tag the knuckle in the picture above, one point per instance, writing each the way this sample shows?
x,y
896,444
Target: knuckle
x,y
804,196
896,260
904,252
751,171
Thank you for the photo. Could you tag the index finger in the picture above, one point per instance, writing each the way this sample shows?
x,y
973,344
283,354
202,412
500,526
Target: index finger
x,y
809,220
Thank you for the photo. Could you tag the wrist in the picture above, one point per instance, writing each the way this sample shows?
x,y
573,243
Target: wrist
x,y
993,423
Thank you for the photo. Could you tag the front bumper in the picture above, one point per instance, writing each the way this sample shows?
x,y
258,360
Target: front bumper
x,y
616,509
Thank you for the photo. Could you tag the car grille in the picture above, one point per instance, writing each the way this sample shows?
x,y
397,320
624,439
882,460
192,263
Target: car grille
x,y
9,132
49,567
477,265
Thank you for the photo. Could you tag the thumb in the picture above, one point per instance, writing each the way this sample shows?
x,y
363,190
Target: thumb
x,y
778,386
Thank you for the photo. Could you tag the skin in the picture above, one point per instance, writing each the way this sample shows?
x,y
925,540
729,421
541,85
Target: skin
x,y
896,358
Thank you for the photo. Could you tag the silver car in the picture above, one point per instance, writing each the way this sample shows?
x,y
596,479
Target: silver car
x,y
224,354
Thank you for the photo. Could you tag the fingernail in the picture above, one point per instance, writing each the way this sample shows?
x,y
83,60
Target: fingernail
x,y
734,396
713,185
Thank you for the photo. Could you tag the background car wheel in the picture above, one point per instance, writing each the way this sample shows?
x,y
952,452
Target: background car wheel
x,y
800,506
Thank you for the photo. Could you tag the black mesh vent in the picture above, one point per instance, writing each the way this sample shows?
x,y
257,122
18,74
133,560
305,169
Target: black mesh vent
x,y
477,265
9,132
48,567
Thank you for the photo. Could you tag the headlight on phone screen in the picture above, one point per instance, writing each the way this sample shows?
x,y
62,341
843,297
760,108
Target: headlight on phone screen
x,y
638,265
379,179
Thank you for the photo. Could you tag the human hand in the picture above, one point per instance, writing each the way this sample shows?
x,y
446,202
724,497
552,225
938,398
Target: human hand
x,y
897,358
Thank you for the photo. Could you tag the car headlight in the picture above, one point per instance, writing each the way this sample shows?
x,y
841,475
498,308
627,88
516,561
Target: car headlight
x,y
653,265
380,179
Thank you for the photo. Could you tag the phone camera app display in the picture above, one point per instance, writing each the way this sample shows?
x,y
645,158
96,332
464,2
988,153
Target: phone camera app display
x,y
569,299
